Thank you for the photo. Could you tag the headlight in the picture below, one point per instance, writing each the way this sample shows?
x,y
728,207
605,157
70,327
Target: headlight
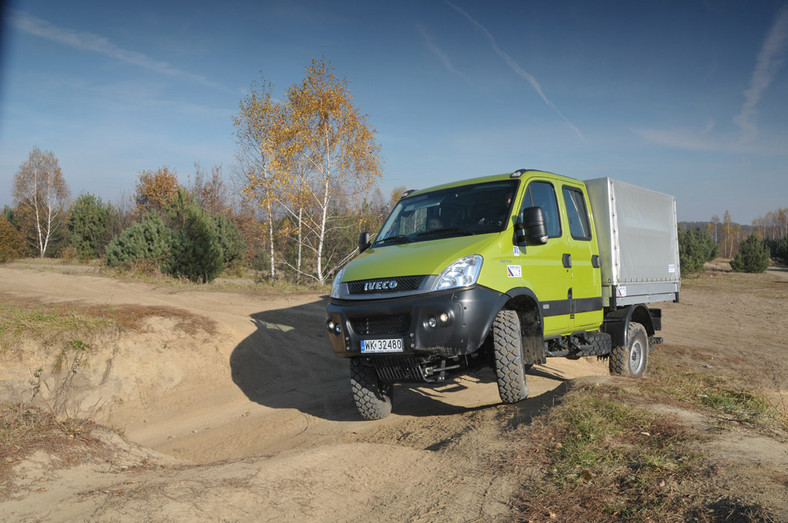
x,y
461,273
335,285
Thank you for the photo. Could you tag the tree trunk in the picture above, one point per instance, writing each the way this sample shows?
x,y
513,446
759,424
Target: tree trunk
x,y
320,241
300,244
271,243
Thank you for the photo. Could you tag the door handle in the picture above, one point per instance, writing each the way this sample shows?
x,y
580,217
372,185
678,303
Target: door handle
x,y
567,260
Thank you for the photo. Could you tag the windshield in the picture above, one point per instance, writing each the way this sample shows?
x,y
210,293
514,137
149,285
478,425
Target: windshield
x,y
460,211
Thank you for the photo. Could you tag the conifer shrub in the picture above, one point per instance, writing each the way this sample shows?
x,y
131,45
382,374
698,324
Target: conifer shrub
x,y
88,223
779,250
196,248
753,256
695,248
230,238
148,240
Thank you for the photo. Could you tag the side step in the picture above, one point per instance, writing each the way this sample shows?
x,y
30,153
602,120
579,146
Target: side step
x,y
580,344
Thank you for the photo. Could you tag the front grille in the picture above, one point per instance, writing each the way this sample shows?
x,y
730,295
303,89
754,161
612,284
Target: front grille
x,y
384,285
398,369
393,324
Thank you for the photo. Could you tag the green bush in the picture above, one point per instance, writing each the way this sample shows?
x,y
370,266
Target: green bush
x,y
89,222
12,243
753,256
779,250
695,248
196,248
230,238
148,239
191,243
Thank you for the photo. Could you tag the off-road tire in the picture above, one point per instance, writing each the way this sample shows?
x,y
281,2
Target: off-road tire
x,y
508,353
631,359
373,398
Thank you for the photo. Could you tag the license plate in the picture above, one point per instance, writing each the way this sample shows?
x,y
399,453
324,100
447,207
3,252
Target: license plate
x,y
392,345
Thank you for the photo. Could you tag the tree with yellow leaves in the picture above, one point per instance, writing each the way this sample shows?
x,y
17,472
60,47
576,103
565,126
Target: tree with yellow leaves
x,y
156,190
260,131
331,151
305,157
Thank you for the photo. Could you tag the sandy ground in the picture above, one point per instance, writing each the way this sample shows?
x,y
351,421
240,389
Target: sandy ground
x,y
256,422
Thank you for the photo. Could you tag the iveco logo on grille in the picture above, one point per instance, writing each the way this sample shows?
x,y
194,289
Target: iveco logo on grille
x,y
371,286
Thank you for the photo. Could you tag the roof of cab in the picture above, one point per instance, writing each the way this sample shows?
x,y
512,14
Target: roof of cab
x,y
492,178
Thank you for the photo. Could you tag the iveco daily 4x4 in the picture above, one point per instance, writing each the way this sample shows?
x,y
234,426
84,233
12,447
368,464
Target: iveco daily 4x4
x,y
504,271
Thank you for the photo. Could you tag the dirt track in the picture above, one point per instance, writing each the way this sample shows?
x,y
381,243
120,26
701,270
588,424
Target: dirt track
x,y
263,413
268,387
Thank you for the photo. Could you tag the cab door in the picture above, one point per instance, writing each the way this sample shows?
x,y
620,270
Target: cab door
x,y
585,292
546,268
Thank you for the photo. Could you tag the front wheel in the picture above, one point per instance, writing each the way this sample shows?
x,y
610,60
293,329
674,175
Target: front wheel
x,y
508,351
631,359
372,397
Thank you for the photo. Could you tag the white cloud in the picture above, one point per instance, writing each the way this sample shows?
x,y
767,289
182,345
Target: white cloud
x,y
701,141
87,41
517,69
770,60
438,52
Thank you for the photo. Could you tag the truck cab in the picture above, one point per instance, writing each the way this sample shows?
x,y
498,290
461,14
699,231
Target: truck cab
x,y
500,271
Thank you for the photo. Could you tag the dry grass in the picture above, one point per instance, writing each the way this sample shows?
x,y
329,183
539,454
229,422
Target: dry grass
x,y
25,429
601,455
55,324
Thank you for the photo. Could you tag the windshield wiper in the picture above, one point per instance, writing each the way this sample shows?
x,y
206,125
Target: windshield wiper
x,y
447,231
391,239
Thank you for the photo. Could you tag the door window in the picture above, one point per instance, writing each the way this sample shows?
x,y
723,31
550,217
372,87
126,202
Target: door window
x,y
542,194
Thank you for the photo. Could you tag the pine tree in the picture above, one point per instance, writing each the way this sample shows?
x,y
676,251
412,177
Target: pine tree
x,y
196,249
146,240
753,256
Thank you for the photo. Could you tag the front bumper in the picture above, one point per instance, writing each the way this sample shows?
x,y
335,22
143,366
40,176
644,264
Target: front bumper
x,y
446,323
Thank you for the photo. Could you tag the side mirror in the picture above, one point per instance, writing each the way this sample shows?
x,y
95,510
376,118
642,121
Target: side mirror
x,y
532,226
363,241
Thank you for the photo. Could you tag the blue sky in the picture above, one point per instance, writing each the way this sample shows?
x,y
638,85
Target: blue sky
x,y
685,97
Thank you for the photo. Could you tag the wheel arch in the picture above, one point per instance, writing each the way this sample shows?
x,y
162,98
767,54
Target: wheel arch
x,y
526,304
616,323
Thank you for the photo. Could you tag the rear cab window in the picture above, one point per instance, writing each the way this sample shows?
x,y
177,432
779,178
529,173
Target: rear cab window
x,y
576,213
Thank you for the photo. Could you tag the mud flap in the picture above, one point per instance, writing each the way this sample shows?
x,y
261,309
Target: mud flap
x,y
533,350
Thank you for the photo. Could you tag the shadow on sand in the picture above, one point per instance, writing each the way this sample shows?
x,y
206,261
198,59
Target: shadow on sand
x,y
288,363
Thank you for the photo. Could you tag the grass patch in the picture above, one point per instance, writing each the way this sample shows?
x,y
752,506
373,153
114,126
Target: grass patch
x,y
722,394
68,323
600,455
20,316
620,460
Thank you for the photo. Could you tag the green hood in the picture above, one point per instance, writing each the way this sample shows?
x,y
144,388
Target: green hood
x,y
414,259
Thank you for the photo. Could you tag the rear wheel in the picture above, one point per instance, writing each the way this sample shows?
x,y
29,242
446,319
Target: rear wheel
x,y
372,397
508,352
631,359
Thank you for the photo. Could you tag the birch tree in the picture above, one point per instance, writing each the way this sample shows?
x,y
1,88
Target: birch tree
x,y
40,193
332,149
260,130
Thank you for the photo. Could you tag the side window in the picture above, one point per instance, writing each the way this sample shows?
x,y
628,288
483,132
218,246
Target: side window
x,y
577,213
542,194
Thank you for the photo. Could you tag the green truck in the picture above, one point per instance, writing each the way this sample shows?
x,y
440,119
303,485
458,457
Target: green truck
x,y
504,271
